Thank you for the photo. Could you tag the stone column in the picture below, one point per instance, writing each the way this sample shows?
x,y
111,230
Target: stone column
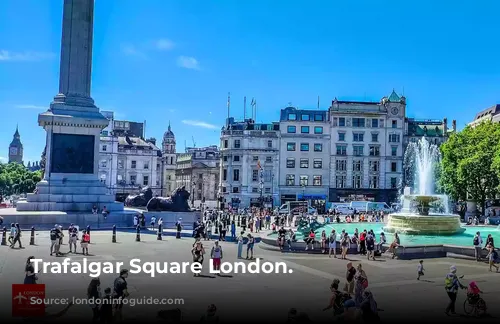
x,y
76,56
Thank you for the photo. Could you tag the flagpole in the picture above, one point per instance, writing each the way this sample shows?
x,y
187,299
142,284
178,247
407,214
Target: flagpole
x,y
228,106
244,108
318,102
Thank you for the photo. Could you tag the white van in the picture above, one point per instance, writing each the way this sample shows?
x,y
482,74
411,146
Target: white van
x,y
360,206
343,209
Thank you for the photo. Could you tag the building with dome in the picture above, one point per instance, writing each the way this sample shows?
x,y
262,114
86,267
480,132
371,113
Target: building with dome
x,y
168,162
16,148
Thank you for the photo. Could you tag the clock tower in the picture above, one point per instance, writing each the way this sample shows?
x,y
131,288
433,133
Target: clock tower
x,y
16,149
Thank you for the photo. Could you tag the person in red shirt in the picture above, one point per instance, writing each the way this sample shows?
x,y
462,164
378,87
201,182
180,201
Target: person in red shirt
x,y
362,242
310,240
85,243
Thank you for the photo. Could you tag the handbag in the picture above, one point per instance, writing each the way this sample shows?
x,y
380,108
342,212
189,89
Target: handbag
x,y
365,283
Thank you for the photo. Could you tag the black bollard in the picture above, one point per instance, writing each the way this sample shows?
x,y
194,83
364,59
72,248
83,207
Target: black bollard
x,y
217,227
32,238
160,232
4,236
138,234
88,232
113,239
239,224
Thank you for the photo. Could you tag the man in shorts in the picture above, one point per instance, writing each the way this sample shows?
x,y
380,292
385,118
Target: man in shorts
x,y
349,284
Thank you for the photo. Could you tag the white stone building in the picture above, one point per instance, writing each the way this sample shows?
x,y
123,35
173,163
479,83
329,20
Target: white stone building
x,y
304,164
198,170
490,114
249,163
168,163
367,149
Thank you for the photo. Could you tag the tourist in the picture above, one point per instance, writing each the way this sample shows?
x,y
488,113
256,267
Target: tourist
x,y
211,315
332,244
198,251
136,221
73,237
420,269
370,245
349,284
106,311
216,255
345,243
60,235
85,243
355,238
53,240
94,210
281,238
120,291
178,226
291,238
94,295
451,285
362,242
268,222
369,307
240,244
478,243
250,244
152,222
12,233
17,237
361,283
30,277
351,313
394,245
383,240
493,258
323,242
209,230
336,299
310,240
489,241
233,230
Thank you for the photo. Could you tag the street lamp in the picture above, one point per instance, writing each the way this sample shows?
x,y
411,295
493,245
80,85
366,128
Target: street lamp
x,y
261,188
303,191
192,197
272,190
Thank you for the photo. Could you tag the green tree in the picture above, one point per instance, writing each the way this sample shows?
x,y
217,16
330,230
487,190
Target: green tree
x,y
467,167
16,179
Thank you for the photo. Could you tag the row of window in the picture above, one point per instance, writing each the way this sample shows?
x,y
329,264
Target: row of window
x,y
362,122
133,164
237,144
357,166
255,158
304,147
357,182
304,163
303,180
307,117
304,130
359,150
360,137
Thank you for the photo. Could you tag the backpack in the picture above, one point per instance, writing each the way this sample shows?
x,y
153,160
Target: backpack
x,y
475,241
53,234
448,282
369,240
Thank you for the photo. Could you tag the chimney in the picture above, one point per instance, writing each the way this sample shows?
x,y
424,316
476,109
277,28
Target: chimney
x,y
445,125
454,125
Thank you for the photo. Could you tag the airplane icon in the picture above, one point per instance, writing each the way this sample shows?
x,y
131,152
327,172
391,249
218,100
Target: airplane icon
x,y
20,298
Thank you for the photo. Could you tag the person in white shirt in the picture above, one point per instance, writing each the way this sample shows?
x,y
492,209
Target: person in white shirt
x,y
478,243
420,269
153,221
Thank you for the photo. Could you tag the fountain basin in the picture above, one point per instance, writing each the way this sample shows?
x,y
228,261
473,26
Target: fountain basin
x,y
413,224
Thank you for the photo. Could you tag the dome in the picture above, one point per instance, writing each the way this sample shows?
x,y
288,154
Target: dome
x,y
169,133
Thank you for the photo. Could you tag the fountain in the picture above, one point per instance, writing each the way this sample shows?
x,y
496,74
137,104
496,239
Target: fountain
x,y
423,212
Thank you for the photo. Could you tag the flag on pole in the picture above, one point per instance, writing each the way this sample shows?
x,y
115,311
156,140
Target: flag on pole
x,y
228,100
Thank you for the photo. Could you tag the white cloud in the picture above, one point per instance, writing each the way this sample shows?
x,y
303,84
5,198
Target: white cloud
x,y
31,107
3,159
131,50
164,44
188,62
201,124
24,56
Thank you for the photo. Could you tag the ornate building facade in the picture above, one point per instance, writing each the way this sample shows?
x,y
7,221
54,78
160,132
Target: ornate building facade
x,y
168,162
16,149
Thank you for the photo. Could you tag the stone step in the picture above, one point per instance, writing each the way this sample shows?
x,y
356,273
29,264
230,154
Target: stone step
x,y
73,206
70,198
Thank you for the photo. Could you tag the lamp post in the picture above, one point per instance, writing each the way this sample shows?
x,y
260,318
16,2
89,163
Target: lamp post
x,y
272,190
261,188
192,197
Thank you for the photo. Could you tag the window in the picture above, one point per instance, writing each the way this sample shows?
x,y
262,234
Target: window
x,y
269,144
255,175
357,150
255,190
356,181
373,182
358,137
133,179
304,163
394,151
104,148
394,138
120,164
236,189
341,150
290,179
269,159
342,121
157,182
317,163
224,175
374,150
157,166
255,158
374,166
394,167
236,158
318,130
304,180
357,165
200,176
374,123
341,165
358,122
304,147
103,163
305,117
236,175
237,144
145,180
394,183
341,137
267,190
304,129
224,189
291,129
133,164
374,136
317,180
318,147
146,165
224,158
290,146
340,181
394,124
292,117
226,144
290,163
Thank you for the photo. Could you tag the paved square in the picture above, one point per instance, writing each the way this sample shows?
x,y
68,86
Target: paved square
x,y
261,296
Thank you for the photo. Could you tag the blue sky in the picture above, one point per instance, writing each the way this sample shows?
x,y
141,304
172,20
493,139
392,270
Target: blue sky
x,y
176,60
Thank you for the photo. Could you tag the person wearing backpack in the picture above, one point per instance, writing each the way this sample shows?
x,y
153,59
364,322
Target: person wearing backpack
x,y
478,243
451,285
493,258
370,245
